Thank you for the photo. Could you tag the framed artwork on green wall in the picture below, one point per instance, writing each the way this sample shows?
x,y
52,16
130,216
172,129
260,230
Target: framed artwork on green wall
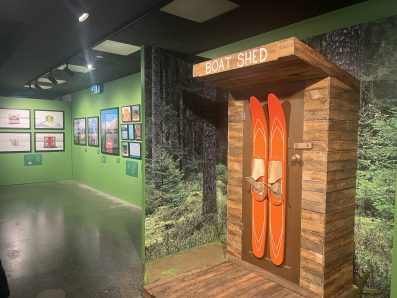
x,y
49,141
136,113
79,131
125,149
124,131
49,119
135,150
131,132
93,134
138,131
12,142
110,131
16,119
126,114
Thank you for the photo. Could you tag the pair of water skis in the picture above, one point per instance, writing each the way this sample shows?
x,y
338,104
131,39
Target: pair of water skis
x,y
268,178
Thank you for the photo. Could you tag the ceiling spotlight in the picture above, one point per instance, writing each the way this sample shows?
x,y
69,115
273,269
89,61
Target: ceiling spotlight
x,y
52,79
83,17
36,85
89,66
68,71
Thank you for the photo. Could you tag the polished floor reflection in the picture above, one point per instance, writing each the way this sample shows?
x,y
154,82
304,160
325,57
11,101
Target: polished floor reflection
x,y
65,238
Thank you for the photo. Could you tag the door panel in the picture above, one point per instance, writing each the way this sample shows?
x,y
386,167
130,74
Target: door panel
x,y
291,97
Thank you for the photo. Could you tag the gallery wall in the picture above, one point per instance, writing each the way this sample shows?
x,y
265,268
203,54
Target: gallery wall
x,y
54,166
106,172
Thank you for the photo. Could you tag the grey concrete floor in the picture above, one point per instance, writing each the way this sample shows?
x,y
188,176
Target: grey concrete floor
x,y
62,239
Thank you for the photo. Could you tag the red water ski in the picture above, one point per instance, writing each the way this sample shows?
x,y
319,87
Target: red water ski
x,y
258,177
277,179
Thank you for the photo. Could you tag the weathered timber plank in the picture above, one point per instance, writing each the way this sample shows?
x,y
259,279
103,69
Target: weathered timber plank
x,y
234,193
313,237
313,227
336,235
342,165
313,206
234,212
341,155
339,225
307,274
340,214
312,256
341,184
313,246
342,145
312,286
313,216
316,197
340,242
314,176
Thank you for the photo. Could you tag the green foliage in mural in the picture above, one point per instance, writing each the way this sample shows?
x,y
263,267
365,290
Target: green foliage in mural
x,y
174,221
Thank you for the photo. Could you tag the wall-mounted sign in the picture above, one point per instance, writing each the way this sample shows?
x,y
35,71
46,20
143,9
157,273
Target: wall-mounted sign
x,y
131,168
96,89
33,160
238,60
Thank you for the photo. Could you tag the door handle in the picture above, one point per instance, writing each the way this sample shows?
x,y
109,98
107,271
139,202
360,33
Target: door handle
x,y
296,158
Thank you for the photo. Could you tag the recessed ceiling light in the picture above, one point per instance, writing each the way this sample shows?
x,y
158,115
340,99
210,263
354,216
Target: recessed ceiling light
x,y
76,68
83,17
89,66
199,11
115,47
47,80
41,87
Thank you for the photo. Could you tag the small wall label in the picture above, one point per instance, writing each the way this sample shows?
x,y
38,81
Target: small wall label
x,y
131,168
33,160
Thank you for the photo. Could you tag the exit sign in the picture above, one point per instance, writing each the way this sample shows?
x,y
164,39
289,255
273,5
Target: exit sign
x,y
96,89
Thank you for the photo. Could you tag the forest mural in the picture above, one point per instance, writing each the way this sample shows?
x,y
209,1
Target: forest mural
x,y
186,135
369,52
186,132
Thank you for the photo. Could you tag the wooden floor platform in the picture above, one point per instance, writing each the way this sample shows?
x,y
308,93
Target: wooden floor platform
x,y
226,279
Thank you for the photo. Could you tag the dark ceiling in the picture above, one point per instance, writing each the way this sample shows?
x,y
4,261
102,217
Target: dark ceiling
x,y
36,36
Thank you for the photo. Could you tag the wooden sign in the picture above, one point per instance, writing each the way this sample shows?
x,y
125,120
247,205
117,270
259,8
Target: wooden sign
x,y
241,59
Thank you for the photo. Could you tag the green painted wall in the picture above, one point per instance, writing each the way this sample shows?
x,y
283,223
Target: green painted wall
x,y
356,14
56,165
109,177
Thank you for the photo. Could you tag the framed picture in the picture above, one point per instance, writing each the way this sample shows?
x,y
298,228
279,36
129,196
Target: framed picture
x,y
110,131
124,131
44,119
124,149
15,142
16,119
49,141
126,114
93,128
135,150
138,131
131,132
79,131
136,113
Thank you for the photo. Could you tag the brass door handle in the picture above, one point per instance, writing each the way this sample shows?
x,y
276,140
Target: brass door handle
x,y
296,158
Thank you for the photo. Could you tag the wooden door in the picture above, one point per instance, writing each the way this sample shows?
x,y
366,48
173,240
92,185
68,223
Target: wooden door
x,y
291,97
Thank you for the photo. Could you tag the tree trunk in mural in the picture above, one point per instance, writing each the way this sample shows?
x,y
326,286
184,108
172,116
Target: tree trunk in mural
x,y
156,110
209,155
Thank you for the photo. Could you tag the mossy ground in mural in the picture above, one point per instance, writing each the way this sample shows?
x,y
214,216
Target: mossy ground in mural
x,y
174,220
373,247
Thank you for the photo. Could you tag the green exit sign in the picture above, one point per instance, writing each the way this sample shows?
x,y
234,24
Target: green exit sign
x,y
96,89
